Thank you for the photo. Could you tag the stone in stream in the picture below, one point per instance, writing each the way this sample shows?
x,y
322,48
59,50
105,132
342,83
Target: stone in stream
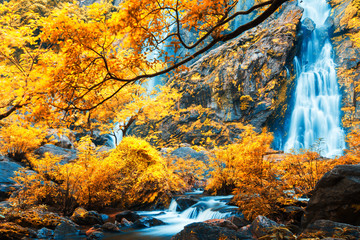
x,y
45,233
185,202
83,217
146,222
125,223
97,235
110,227
129,215
205,231
65,231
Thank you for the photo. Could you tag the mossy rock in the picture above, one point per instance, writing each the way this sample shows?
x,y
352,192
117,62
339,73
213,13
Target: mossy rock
x,y
34,218
13,231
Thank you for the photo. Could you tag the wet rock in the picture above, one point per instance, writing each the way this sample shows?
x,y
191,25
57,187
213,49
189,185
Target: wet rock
x,y
129,215
97,235
65,231
205,231
66,154
110,227
262,226
329,228
222,223
185,202
307,26
83,217
7,185
336,196
146,222
45,233
104,140
125,223
12,231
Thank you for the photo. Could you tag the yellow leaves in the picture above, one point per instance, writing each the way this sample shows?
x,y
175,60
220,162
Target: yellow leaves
x,y
20,138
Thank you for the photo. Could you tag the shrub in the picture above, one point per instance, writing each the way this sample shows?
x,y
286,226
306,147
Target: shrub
x,y
19,139
133,174
240,168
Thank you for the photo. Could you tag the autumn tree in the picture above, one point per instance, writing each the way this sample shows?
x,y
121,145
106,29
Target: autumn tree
x,y
85,56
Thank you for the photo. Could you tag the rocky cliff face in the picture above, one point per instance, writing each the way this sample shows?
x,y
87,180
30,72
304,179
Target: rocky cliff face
x,y
345,38
245,80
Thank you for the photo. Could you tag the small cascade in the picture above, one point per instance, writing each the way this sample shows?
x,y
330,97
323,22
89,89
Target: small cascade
x,y
315,119
173,206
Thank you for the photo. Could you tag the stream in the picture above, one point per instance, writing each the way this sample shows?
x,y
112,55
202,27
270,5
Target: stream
x,y
208,207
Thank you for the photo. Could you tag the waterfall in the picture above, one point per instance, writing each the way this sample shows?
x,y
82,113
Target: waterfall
x,y
316,114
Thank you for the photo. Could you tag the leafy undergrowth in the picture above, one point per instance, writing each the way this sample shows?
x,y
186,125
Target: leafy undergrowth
x,y
132,175
265,187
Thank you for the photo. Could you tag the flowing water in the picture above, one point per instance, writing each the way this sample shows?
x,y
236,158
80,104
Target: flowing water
x,y
315,119
207,208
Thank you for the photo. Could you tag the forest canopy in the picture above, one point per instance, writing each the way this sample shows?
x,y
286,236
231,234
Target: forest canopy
x,y
61,60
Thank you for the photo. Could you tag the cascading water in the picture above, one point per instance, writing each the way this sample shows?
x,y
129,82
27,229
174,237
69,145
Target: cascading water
x,y
207,208
316,114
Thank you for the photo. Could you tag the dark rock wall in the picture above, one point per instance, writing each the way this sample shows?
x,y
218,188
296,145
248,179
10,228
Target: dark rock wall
x,y
246,79
346,26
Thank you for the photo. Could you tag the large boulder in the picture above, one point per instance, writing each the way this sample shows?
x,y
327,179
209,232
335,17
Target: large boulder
x,y
205,231
66,154
7,171
83,217
336,196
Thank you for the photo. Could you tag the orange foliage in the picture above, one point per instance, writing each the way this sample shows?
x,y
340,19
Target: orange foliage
x,y
134,174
